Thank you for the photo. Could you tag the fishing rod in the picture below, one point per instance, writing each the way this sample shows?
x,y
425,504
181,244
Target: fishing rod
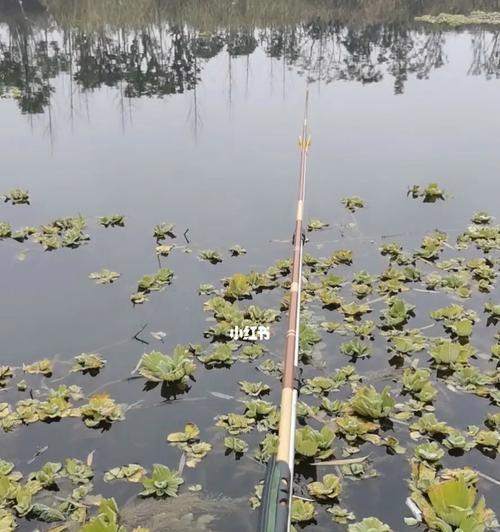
x,y
276,503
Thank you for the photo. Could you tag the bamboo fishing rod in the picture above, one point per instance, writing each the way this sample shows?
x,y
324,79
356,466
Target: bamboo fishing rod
x,y
276,503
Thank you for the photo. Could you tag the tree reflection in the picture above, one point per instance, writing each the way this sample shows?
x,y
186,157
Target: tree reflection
x,y
160,56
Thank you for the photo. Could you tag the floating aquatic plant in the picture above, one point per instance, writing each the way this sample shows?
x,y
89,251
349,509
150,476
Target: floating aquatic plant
x,y
308,338
23,234
409,341
368,403
484,237
417,382
101,410
163,250
316,225
112,220
328,488
352,203
354,427
353,310
48,475
252,352
157,367
238,287
104,276
17,196
430,452
6,374
237,250
355,349
235,423
151,283
397,313
313,443
428,425
190,433
457,441
430,193
481,218
206,289
323,385
448,353
451,505
210,255
237,445
130,472
5,230
330,298
163,230
340,515
43,367
221,355
302,511
254,388
77,471
88,362
164,482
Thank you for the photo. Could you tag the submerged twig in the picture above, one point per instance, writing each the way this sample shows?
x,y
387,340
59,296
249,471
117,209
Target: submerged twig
x,y
136,335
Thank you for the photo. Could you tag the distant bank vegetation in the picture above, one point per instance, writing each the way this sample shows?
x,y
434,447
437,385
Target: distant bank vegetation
x,y
209,15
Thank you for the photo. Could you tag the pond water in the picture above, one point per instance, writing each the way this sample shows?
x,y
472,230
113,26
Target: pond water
x,y
165,115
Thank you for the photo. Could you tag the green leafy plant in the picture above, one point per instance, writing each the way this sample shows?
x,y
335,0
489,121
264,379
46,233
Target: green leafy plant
x,y
77,471
355,349
352,203
112,220
88,362
354,427
446,352
302,511
163,250
235,423
397,313
17,196
163,482
340,515
191,433
430,452
104,276
157,367
6,374
368,403
430,194
428,425
254,388
43,367
101,410
316,225
210,255
130,472
329,488
238,287
451,505
221,355
5,230
312,443
237,445
163,230
237,250
481,218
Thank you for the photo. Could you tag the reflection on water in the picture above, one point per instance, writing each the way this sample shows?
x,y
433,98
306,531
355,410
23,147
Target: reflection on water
x,y
158,53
